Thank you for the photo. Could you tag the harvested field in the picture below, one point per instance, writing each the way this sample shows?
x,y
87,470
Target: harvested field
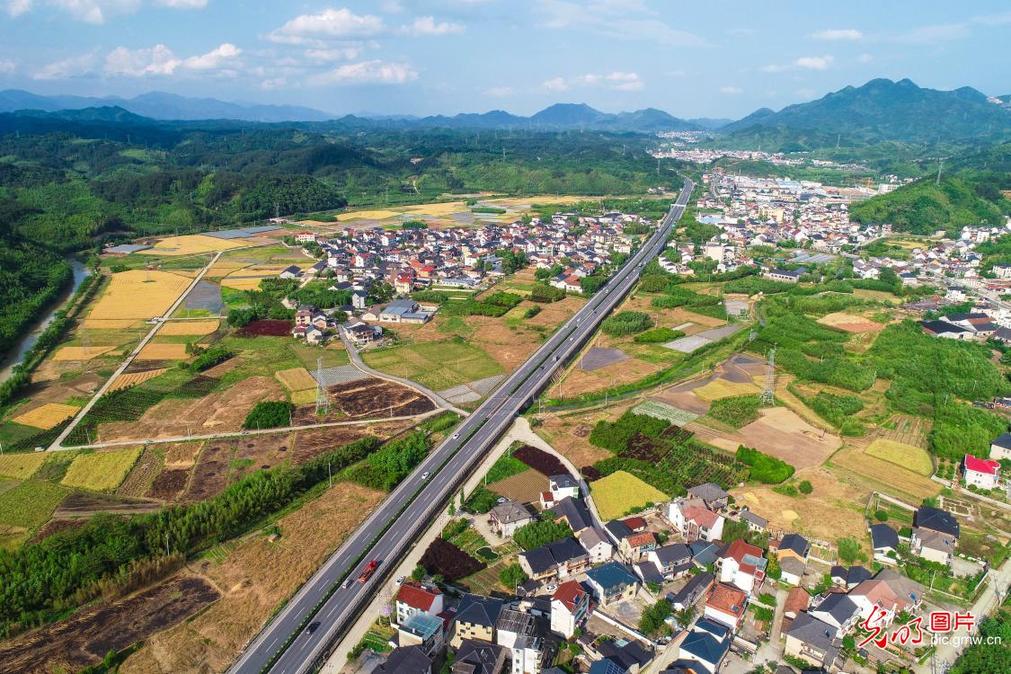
x,y
139,294
723,388
266,328
181,454
192,244
569,434
129,379
621,492
154,351
598,357
471,391
221,412
833,510
577,380
205,295
195,328
110,323
46,416
296,379
84,505
524,488
144,472
83,639
21,466
661,410
850,323
369,398
66,353
852,463
168,485
255,576
914,458
102,470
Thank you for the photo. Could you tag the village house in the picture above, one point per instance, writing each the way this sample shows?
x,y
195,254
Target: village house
x,y
414,598
475,619
891,592
726,605
635,547
671,561
706,645
742,565
570,604
793,545
689,595
422,630
837,610
885,543
505,518
694,520
612,582
1000,447
710,493
517,631
935,534
406,660
560,559
813,641
982,473
596,543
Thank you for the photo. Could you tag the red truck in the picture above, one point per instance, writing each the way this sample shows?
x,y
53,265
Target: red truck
x,y
370,568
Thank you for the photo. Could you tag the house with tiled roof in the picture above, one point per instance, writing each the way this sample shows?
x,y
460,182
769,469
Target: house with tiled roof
x,y
612,582
707,644
712,494
982,473
635,547
505,518
475,619
812,640
797,600
837,610
694,520
689,595
596,543
561,559
742,565
935,534
570,604
726,605
891,591
1000,447
885,543
672,561
413,597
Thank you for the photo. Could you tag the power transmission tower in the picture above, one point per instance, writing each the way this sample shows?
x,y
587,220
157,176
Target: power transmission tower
x,y
322,400
769,393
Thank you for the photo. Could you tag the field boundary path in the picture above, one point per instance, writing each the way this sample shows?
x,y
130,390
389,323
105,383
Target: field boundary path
x,y
158,322
357,361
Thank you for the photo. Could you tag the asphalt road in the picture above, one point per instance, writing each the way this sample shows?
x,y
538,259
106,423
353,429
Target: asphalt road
x,y
300,635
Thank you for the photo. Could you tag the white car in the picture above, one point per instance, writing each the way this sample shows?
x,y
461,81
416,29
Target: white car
x,y
400,581
424,476
456,436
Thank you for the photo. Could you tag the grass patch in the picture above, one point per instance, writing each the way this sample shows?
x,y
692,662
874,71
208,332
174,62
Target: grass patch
x,y
30,504
101,471
438,365
506,466
764,468
21,466
910,457
622,492
736,411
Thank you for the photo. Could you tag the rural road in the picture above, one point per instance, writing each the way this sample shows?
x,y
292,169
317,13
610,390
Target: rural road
x,y
159,321
301,634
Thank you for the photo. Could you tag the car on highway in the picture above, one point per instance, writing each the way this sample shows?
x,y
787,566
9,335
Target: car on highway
x,y
456,436
370,569
424,476
401,579
313,626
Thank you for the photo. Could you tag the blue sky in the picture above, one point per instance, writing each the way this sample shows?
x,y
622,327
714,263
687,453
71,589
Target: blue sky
x,y
445,56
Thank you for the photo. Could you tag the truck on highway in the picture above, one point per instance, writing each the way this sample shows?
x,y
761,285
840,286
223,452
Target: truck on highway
x,y
370,568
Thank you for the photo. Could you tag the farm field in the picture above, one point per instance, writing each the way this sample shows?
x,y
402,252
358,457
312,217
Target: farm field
x,y
569,434
296,379
188,328
46,416
81,352
157,351
130,379
853,463
138,294
255,575
850,323
26,507
191,244
21,466
914,458
102,470
525,487
621,492
437,365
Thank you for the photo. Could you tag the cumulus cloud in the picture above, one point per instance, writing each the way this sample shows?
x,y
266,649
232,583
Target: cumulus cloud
x,y
802,63
96,11
159,60
499,92
182,4
7,66
614,18
838,34
74,66
617,81
731,90
328,24
427,25
367,72
333,54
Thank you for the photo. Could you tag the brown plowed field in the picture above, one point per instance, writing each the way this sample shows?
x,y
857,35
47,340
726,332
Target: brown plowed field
x,y
367,398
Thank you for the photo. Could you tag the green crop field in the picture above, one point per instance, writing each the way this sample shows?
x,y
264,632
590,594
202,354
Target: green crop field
x,y
101,471
21,466
437,365
661,410
25,508
915,459
621,492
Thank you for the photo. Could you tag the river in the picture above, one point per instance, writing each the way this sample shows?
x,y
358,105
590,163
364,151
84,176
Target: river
x,y
81,272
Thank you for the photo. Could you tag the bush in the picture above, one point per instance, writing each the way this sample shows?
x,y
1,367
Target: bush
x,y
210,357
805,487
531,312
512,576
385,468
849,549
764,468
652,620
658,335
616,435
881,516
269,414
542,292
736,411
626,323
480,501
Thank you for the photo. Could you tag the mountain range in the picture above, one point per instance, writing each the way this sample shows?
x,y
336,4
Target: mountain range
x,y
880,110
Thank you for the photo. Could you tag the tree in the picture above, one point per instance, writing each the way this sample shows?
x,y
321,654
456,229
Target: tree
x,y
539,533
805,487
849,549
881,516
652,620
512,576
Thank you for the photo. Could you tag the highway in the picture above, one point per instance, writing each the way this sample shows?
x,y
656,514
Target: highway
x,y
299,636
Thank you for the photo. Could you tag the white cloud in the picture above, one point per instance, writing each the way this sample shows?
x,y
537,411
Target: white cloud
x,y
933,34
731,90
159,60
18,7
626,19
427,25
7,66
328,24
838,34
74,66
499,92
391,6
367,72
813,62
97,11
182,4
333,54
865,58
616,81
802,63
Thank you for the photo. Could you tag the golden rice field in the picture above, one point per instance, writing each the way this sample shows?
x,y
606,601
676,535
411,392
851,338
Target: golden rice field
x,y
81,352
248,278
133,378
621,492
163,352
21,466
139,294
296,379
304,397
196,328
367,215
101,471
192,244
721,388
110,323
46,416
911,457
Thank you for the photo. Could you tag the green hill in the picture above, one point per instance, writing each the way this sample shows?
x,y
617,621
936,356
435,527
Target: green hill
x,y
923,207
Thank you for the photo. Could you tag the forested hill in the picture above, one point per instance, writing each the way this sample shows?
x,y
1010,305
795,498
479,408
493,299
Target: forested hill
x,y
880,110
969,193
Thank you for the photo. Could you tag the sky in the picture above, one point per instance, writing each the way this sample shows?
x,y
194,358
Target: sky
x,y
692,59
